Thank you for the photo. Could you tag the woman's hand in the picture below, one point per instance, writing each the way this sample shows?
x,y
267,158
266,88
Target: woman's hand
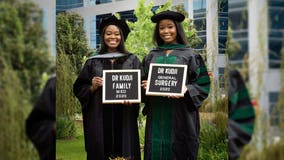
x,y
144,84
127,103
96,83
184,89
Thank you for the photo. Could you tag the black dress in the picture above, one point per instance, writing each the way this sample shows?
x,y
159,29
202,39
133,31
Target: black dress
x,y
110,130
172,125
40,124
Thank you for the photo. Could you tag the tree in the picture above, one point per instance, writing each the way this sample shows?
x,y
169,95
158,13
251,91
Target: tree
x,y
280,103
66,103
139,40
23,58
15,109
24,44
71,47
71,38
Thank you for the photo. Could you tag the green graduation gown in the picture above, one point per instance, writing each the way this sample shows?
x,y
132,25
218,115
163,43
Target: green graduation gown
x,y
241,115
172,125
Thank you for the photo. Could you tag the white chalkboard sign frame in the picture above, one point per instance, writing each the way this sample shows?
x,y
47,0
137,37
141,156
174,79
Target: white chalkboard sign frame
x,y
106,100
156,93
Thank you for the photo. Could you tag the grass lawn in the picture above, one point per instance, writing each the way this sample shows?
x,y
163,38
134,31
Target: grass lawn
x,y
213,142
72,149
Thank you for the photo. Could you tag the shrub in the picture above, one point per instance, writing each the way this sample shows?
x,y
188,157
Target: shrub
x,y
213,143
65,128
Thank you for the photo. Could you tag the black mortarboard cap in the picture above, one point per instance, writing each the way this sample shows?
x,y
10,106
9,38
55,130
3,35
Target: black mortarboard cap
x,y
175,16
112,20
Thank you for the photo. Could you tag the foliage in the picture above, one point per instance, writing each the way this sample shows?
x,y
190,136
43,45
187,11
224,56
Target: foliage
x,y
14,111
23,58
214,126
280,103
23,44
66,103
213,142
71,48
65,127
71,38
213,133
272,151
139,41
232,46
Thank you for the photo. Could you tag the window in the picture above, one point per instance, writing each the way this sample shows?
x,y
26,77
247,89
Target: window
x,y
103,1
95,36
92,2
199,20
93,31
62,5
98,20
199,5
128,15
276,27
238,19
240,54
221,72
274,112
274,54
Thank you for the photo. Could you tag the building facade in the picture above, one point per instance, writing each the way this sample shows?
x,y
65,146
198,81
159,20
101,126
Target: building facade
x,y
257,27
209,17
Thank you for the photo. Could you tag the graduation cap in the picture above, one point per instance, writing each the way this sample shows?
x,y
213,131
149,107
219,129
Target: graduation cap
x,y
175,16
112,20
112,55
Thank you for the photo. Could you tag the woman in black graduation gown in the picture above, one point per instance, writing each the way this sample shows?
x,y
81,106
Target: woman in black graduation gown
x,y
40,124
172,126
110,130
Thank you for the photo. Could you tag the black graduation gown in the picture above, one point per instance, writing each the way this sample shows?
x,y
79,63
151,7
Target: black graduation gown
x,y
40,124
241,115
110,130
172,125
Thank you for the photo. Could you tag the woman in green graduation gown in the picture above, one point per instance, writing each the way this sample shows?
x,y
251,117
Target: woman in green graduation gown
x,y
110,130
241,115
172,125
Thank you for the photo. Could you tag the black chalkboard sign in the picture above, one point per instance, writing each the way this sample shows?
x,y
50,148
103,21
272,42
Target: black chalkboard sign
x,y
166,79
120,85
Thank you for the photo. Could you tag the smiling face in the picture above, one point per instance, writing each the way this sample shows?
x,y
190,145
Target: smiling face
x,y
168,31
112,38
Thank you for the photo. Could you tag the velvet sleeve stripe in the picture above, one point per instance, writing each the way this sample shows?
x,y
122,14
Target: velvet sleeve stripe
x,y
243,112
201,69
248,127
205,89
203,80
239,95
